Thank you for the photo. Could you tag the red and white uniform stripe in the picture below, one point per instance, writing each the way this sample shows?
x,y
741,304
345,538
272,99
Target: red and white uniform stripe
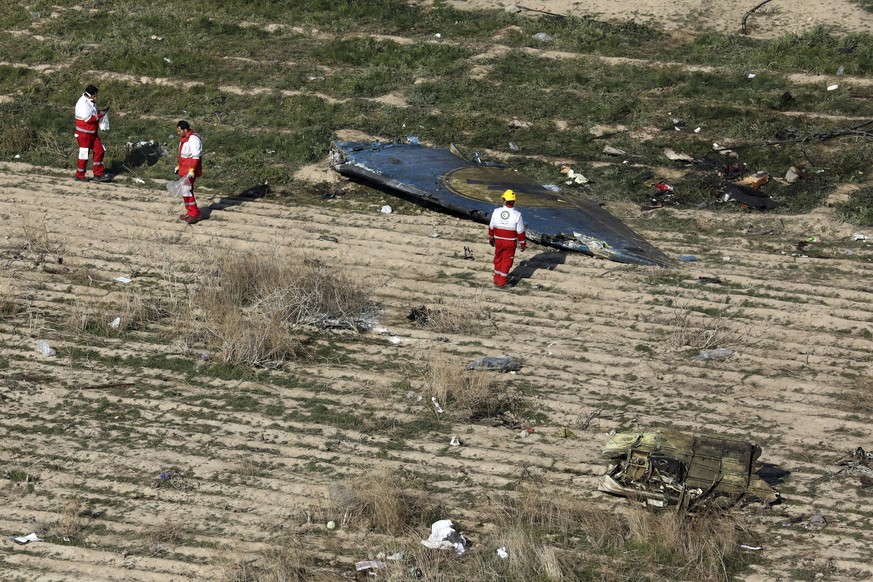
x,y
506,230
87,120
190,152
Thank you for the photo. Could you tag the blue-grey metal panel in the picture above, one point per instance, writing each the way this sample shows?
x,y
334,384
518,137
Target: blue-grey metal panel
x,y
438,177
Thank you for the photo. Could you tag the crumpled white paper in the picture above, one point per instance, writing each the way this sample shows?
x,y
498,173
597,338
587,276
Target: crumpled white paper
x,y
444,537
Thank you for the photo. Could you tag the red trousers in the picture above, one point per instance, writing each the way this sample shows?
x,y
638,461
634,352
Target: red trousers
x,y
89,142
504,255
188,200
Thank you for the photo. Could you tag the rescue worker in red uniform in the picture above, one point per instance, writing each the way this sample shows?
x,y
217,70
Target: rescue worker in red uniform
x,y
505,231
87,121
190,166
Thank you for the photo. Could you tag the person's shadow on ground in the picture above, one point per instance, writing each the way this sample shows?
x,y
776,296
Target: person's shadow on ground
x,y
246,195
528,267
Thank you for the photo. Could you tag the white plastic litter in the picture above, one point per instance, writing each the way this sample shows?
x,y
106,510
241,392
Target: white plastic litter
x,y
715,354
860,236
386,209
370,565
833,87
45,349
436,405
502,552
115,323
139,180
179,188
444,537
455,442
104,122
31,537
122,280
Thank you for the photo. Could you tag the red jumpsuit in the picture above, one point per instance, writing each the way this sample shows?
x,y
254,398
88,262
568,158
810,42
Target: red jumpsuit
x,y
190,152
505,231
87,120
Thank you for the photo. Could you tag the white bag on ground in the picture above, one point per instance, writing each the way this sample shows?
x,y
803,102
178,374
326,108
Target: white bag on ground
x,y
179,188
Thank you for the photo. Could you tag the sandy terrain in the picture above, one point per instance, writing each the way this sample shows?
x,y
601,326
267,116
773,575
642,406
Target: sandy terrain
x,y
775,18
97,425
595,336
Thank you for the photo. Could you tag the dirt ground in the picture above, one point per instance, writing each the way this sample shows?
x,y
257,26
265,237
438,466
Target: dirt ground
x,y
775,18
599,342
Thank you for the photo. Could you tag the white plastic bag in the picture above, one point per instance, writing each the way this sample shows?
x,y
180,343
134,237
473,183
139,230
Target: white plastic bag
x,y
179,188
104,122
45,349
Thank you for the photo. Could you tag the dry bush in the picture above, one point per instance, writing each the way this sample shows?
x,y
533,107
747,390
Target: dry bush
x,y
379,501
253,309
692,329
39,242
475,393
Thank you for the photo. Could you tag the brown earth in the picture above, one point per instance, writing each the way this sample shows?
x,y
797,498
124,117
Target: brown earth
x,y
775,18
600,342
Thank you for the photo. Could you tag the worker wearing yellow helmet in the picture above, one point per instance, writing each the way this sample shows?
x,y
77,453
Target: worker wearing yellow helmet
x,y
506,231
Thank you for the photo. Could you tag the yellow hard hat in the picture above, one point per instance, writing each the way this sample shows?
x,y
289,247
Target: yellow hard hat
x,y
509,196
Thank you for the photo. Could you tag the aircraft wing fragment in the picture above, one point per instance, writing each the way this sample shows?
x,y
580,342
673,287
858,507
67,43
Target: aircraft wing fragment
x,y
439,177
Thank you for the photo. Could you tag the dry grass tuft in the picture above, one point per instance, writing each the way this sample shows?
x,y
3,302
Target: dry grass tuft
x,y
253,309
69,523
692,329
10,303
170,532
699,546
133,310
281,563
469,318
39,242
859,398
379,501
474,393
560,537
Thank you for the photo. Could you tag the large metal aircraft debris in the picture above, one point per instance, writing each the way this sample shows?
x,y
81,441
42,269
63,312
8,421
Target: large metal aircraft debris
x,y
444,179
669,468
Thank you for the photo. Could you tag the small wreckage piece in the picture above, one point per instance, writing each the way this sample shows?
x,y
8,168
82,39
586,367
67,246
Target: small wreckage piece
x,y
496,363
670,468
442,178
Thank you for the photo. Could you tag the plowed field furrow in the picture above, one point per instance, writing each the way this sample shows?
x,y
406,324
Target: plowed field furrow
x,y
609,343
